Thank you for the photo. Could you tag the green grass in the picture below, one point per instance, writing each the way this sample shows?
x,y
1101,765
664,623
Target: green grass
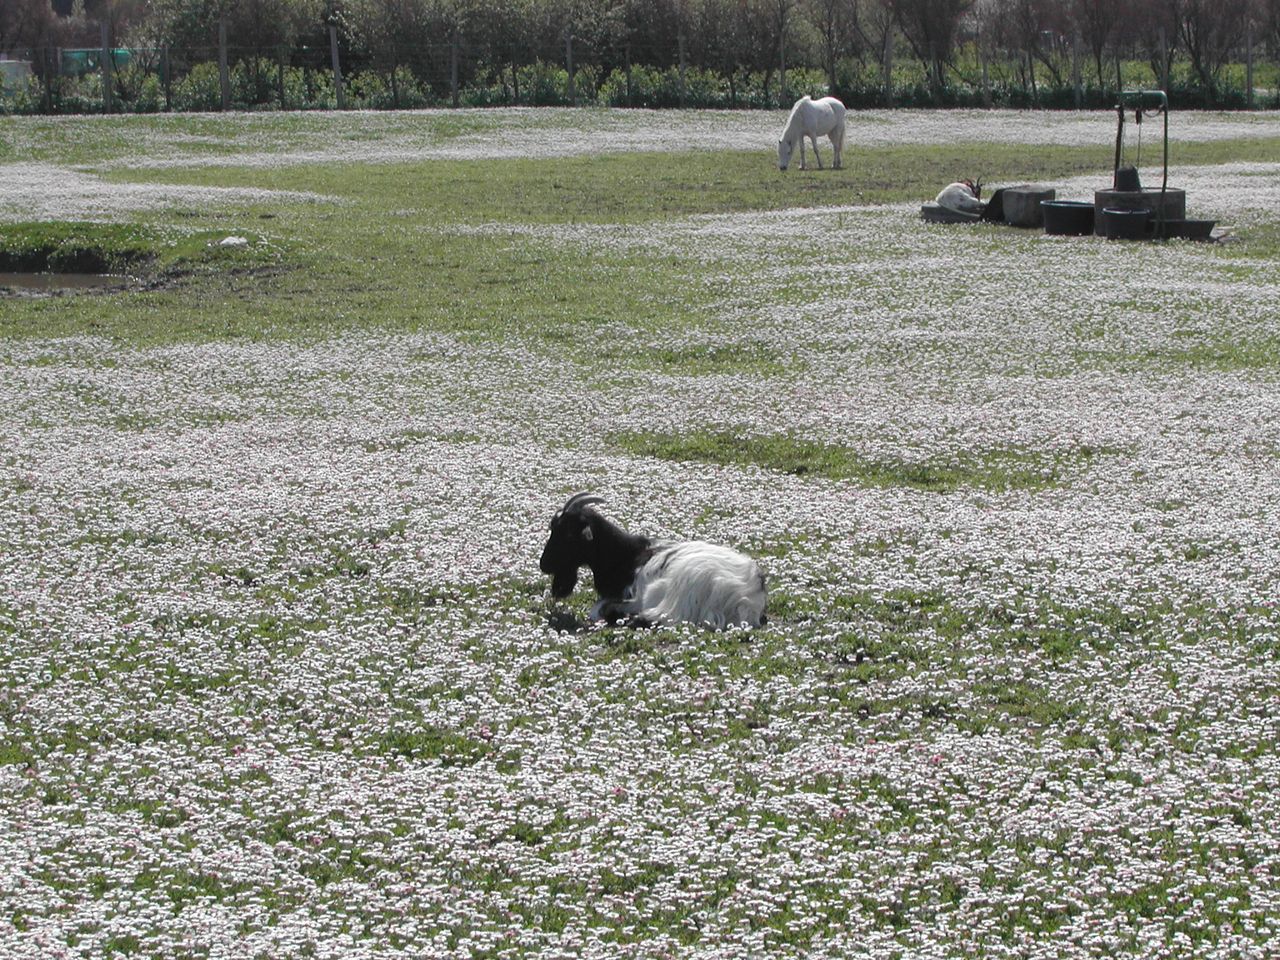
x,y
76,247
386,253
135,249
639,188
1007,469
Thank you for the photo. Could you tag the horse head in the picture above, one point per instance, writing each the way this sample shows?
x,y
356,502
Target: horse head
x,y
784,153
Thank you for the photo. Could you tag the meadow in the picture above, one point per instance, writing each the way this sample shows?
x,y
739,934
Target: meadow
x,y
279,676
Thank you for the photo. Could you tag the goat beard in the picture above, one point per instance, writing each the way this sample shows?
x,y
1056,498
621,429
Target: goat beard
x,y
562,583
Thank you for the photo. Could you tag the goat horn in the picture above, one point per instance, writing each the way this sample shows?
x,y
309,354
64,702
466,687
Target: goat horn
x,y
580,500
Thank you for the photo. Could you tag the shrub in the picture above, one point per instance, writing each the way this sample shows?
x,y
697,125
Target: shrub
x,y
198,90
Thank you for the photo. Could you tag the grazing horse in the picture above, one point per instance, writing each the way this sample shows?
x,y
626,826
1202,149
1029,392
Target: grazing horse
x,y
813,119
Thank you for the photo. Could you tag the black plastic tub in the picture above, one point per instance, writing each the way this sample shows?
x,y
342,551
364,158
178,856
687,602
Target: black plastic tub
x,y
1125,224
1067,217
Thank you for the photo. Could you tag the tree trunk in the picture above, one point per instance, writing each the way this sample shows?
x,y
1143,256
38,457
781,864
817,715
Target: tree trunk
x,y
339,94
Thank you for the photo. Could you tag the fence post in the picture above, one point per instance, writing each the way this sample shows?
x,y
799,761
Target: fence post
x,y
280,74
568,57
1164,64
782,71
888,68
339,93
224,74
50,65
935,78
986,73
166,78
395,84
105,66
1248,64
453,69
1076,84
680,42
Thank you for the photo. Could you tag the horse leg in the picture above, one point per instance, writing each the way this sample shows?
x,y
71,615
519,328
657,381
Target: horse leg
x,y
837,147
816,155
802,164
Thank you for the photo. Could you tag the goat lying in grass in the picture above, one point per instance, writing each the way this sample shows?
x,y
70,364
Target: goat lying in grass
x,y
964,196
645,583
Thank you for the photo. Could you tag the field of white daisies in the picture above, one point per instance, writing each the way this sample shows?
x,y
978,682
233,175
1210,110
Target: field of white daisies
x,y
279,676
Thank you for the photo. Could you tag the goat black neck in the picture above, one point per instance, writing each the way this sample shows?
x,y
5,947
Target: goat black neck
x,y
616,557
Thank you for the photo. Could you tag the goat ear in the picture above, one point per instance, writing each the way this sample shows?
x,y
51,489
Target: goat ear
x,y
587,534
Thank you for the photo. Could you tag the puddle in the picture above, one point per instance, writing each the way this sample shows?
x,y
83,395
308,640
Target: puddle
x,y
60,281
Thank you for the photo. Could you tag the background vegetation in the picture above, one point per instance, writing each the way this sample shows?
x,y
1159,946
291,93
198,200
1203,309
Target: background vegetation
x,y
643,53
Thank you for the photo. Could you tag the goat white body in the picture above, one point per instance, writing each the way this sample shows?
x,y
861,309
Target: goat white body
x,y
813,119
959,197
693,582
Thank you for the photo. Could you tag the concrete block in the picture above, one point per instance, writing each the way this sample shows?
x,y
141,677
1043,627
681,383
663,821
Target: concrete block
x,y
1022,204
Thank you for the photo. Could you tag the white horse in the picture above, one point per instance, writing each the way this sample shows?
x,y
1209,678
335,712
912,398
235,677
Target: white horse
x,y
813,119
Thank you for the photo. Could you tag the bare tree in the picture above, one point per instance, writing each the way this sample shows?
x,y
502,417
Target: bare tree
x,y
930,28
724,37
1210,31
836,23
1035,27
877,28
1095,21
1268,18
25,23
772,22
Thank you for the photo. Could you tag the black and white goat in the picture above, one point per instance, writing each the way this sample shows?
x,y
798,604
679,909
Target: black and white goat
x,y
645,583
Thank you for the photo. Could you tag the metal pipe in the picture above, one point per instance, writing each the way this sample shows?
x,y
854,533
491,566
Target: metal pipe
x,y
1115,168
1163,98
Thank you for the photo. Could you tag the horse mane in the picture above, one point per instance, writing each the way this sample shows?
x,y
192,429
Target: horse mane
x,y
795,113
